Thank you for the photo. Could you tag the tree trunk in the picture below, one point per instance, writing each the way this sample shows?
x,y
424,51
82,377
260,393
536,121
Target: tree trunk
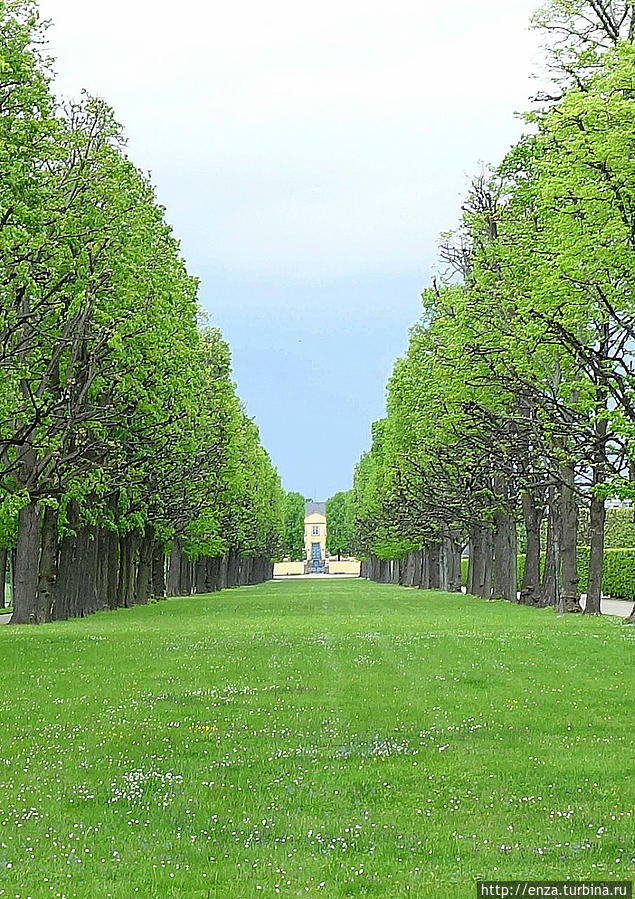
x,y
505,556
549,586
189,576
107,560
405,570
111,542
395,571
74,581
3,578
596,556
255,570
450,562
12,574
144,569
200,575
25,583
85,594
223,571
416,568
213,574
245,570
47,573
597,509
101,574
158,569
568,539
184,586
434,563
471,559
408,570
232,568
533,509
174,572
455,569
236,568
444,565
424,569
66,566
127,572
480,561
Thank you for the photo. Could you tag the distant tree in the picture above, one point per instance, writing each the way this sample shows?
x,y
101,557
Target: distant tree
x,y
339,523
293,526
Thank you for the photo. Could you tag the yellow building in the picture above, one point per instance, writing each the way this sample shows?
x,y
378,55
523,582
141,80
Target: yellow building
x,y
315,537
316,557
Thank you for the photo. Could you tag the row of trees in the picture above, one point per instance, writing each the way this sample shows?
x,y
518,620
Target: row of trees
x,y
515,403
127,465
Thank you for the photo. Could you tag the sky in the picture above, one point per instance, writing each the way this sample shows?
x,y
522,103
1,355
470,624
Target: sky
x,y
308,156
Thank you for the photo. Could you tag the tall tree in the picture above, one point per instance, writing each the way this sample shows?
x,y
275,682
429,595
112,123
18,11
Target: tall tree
x,y
339,523
294,506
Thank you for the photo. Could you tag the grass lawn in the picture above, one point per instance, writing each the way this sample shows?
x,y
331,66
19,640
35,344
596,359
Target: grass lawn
x,y
313,738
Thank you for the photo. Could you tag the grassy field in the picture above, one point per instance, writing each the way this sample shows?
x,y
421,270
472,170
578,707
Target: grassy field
x,y
314,739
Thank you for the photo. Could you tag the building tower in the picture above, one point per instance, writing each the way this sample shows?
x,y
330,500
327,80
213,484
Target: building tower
x,y
315,538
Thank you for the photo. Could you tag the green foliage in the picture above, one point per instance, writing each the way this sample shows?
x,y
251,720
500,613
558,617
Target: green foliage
x,y
115,404
293,544
523,370
618,571
619,530
340,536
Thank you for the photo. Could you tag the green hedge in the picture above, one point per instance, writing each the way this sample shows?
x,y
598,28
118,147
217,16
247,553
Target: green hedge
x,y
619,530
618,573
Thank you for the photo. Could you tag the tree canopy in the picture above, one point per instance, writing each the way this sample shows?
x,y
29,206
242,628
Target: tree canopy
x,y
121,435
515,400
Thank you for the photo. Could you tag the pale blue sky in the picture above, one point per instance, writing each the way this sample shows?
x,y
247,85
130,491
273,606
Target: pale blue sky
x,y
308,156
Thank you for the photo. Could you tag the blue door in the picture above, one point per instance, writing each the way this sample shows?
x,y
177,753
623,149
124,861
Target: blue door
x,y
315,555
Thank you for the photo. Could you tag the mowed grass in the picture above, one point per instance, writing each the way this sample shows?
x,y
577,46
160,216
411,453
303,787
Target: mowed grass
x,y
314,738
